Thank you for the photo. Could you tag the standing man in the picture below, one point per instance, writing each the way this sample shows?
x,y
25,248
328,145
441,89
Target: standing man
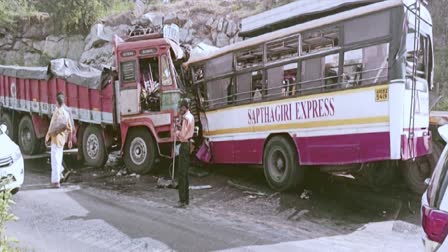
x,y
183,136
61,128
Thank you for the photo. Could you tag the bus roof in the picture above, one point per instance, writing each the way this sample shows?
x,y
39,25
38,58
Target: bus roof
x,y
295,13
300,27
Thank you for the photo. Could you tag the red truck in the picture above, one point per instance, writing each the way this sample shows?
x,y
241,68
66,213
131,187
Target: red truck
x,y
132,107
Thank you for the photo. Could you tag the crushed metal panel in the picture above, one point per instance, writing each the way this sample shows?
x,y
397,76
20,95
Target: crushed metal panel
x,y
293,11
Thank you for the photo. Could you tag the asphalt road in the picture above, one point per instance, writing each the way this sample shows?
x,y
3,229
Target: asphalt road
x,y
97,211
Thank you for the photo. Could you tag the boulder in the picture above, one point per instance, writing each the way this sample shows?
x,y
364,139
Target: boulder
x,y
99,36
55,46
152,18
170,18
37,31
98,56
222,40
39,45
32,59
76,46
232,29
119,19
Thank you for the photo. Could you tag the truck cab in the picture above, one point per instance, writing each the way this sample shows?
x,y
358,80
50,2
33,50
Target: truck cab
x,y
147,97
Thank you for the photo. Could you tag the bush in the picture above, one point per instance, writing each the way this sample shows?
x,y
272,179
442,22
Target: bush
x,y
6,216
73,16
10,10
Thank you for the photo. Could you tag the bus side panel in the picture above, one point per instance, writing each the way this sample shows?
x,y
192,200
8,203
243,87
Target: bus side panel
x,y
249,151
344,149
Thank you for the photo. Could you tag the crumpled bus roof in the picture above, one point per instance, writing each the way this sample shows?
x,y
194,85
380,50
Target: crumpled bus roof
x,y
292,12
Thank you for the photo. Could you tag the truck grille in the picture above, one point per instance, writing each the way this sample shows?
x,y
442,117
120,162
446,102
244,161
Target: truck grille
x,y
5,162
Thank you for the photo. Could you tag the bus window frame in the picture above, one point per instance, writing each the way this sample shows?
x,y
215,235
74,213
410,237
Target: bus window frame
x,y
341,49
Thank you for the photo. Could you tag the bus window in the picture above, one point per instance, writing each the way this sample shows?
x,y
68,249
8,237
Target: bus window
x,y
218,66
283,48
366,66
367,28
250,57
422,55
243,87
319,74
281,81
320,40
217,92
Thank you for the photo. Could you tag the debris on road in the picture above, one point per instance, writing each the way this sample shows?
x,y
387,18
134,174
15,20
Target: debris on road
x,y
198,172
298,214
114,161
306,194
273,195
166,183
255,193
241,187
200,187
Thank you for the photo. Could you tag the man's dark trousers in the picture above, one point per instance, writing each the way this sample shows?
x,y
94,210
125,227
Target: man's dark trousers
x,y
184,164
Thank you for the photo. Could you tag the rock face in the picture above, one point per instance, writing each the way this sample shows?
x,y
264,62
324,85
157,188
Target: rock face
x,y
35,44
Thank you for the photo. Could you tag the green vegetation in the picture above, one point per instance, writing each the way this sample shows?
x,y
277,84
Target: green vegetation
x,y
10,10
6,243
115,7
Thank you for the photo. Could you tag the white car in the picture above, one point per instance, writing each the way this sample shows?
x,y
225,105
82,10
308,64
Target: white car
x,y
12,170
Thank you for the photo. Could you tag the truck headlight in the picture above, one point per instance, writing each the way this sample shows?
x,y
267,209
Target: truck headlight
x,y
16,155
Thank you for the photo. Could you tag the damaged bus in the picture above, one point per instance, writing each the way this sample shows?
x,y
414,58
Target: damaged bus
x,y
345,92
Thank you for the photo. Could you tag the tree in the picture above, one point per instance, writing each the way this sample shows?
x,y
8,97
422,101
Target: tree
x,y
73,16
10,10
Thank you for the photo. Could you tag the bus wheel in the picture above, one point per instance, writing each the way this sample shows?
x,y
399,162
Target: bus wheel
x,y
139,151
281,164
6,120
93,147
415,173
28,142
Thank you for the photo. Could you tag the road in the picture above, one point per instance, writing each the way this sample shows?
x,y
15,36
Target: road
x,y
99,211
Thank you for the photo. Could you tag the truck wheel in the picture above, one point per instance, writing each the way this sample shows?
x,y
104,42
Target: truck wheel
x,y
415,173
140,151
93,147
281,165
6,120
28,142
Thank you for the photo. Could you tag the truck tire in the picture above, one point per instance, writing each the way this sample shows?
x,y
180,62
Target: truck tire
x,y
140,151
281,164
28,142
7,120
93,147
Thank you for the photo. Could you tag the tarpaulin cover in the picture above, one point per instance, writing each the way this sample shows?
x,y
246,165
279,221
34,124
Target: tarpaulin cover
x,y
39,73
76,73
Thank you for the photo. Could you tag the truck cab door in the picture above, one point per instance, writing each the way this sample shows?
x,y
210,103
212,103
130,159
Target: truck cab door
x,y
129,87
171,94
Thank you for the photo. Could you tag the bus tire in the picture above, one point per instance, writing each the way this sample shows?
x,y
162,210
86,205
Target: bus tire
x,y
7,120
281,164
93,147
139,151
415,173
28,142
